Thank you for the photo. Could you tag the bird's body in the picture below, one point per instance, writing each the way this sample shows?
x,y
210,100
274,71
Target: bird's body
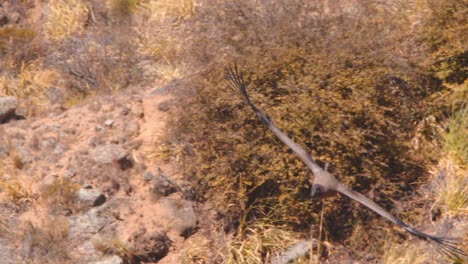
x,y
325,184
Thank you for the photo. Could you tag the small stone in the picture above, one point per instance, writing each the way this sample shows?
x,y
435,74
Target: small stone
x,y
137,110
50,179
150,247
98,128
70,173
110,260
8,106
108,153
161,185
109,122
91,196
132,128
125,111
148,176
164,106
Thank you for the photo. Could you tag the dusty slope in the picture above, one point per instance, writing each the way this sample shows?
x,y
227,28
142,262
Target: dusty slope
x,y
103,147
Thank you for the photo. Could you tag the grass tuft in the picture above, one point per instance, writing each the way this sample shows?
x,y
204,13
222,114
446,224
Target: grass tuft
x,y
66,17
259,243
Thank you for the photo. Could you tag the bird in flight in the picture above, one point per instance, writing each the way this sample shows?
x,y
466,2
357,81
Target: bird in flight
x,y
325,184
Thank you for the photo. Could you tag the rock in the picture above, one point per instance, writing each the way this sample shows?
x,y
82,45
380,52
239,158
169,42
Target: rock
x,y
161,185
8,106
83,226
131,128
137,110
150,247
108,153
109,122
110,260
60,149
69,173
91,196
55,95
25,155
7,253
182,218
164,106
48,143
148,176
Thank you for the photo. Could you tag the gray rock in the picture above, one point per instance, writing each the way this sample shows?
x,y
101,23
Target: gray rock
x,y
49,180
109,122
132,128
182,217
110,260
169,87
55,95
8,106
148,176
7,254
150,247
164,106
91,196
84,226
108,154
161,185
137,110
60,149
70,173
295,251
48,143
25,155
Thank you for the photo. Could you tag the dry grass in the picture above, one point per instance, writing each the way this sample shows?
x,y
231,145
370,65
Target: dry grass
x,y
451,178
66,17
404,254
30,85
122,8
60,194
452,193
164,9
17,192
46,242
259,243
114,246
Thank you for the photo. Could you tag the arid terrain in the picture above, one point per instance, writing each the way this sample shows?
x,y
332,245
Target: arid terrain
x,y
120,141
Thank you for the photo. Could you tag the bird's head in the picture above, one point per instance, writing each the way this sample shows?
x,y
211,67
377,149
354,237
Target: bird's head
x,y
319,191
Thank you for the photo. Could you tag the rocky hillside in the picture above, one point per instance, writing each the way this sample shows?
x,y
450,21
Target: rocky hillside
x,y
84,186
120,141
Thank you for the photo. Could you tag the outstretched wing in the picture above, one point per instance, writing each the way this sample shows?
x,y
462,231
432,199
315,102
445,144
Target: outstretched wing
x,y
236,82
443,245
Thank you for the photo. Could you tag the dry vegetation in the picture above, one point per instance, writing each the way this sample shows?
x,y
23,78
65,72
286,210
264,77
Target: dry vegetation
x,y
367,89
376,89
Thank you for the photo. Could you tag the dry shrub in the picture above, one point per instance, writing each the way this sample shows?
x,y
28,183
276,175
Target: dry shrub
x,y
46,242
65,18
346,86
60,194
122,8
29,85
18,193
14,42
